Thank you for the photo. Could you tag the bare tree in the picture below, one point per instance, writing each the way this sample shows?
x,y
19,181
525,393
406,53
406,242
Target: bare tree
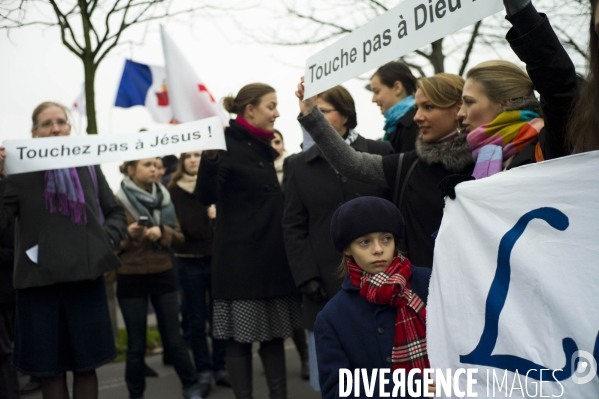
x,y
89,28
304,22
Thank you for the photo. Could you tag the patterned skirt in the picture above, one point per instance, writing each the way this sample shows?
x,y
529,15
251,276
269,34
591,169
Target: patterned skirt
x,y
256,320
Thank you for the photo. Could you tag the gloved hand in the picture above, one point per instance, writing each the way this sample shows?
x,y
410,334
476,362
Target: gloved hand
x,y
314,291
513,6
448,183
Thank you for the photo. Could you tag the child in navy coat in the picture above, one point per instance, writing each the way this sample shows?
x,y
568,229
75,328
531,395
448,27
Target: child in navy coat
x,y
378,319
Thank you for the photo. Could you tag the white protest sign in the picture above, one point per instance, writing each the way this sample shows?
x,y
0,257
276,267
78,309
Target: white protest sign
x,y
71,151
405,28
515,286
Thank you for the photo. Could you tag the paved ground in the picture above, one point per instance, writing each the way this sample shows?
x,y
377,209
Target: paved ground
x,y
167,385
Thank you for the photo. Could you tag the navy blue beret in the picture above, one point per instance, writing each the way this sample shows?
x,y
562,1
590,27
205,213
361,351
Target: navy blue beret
x,y
364,215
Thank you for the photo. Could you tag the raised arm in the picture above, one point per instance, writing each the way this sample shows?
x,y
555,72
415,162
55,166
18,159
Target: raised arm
x,y
350,163
550,68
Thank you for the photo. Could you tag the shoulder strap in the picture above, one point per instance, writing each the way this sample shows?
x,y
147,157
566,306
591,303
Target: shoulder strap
x,y
405,183
397,177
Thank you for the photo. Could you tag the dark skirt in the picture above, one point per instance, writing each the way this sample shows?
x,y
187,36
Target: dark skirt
x,y
63,327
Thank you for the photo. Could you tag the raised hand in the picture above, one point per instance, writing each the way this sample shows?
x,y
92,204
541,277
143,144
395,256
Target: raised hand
x,y
306,105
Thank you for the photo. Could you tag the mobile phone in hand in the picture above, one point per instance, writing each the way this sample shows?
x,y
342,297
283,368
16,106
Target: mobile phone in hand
x,y
143,221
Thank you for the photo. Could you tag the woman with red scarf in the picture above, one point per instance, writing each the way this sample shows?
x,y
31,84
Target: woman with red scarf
x,y
255,299
378,319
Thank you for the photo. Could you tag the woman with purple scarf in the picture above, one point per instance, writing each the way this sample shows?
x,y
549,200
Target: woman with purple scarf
x,y
67,226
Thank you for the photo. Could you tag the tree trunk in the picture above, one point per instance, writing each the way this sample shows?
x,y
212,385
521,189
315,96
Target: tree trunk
x,y
437,59
90,98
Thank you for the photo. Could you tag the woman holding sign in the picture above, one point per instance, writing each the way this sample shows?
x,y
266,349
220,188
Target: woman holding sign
x,y
441,150
255,299
554,76
68,226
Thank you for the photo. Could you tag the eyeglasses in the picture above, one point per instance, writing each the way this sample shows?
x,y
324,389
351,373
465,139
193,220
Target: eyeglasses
x,y
61,123
326,111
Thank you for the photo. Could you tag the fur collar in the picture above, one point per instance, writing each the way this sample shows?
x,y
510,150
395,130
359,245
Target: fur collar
x,y
530,103
454,154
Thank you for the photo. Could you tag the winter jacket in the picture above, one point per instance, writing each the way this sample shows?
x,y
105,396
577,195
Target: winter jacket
x,y
353,333
406,132
66,252
248,259
7,257
195,224
140,257
313,191
553,74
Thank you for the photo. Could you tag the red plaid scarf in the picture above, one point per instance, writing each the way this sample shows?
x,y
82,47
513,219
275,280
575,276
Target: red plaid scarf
x,y
392,288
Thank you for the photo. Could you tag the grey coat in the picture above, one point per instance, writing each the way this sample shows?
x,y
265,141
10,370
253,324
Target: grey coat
x,y
66,252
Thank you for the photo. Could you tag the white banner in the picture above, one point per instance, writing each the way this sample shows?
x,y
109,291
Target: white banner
x,y
405,28
515,285
71,151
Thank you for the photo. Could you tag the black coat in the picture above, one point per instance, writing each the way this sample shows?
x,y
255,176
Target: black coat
x,y
406,132
194,222
7,257
249,259
422,206
554,76
67,252
313,191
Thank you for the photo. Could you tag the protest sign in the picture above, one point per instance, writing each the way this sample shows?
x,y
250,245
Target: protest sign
x,y
514,291
71,151
405,28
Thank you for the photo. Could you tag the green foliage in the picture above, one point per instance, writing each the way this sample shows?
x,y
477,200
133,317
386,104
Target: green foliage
x,y
153,342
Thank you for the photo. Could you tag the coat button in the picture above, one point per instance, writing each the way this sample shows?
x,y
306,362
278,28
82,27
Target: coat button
x,y
388,359
270,163
261,164
344,179
249,143
380,330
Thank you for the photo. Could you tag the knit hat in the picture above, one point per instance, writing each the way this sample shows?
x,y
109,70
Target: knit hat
x,y
364,215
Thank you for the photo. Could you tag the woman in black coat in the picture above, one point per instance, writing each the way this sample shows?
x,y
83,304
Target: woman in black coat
x,y
313,191
255,299
393,87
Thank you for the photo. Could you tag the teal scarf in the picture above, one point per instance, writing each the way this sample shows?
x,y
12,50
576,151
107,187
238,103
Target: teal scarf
x,y
157,205
395,113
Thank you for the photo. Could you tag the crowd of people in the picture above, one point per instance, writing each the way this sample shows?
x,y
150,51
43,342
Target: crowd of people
x,y
252,245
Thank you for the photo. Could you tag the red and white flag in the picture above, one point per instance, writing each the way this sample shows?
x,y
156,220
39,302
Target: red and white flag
x,y
189,97
79,103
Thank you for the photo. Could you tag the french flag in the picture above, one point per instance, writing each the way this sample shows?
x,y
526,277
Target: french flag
x,y
145,85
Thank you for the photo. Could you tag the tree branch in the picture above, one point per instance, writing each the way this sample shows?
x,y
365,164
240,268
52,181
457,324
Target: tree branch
x,y
469,48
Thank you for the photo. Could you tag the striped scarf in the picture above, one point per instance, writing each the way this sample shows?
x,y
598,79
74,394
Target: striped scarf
x,y
392,288
504,137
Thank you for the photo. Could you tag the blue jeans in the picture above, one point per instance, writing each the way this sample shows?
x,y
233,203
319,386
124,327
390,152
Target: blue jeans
x,y
135,312
195,277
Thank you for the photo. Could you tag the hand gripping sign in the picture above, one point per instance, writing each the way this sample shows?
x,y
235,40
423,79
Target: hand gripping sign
x,y
514,291
405,28
32,155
